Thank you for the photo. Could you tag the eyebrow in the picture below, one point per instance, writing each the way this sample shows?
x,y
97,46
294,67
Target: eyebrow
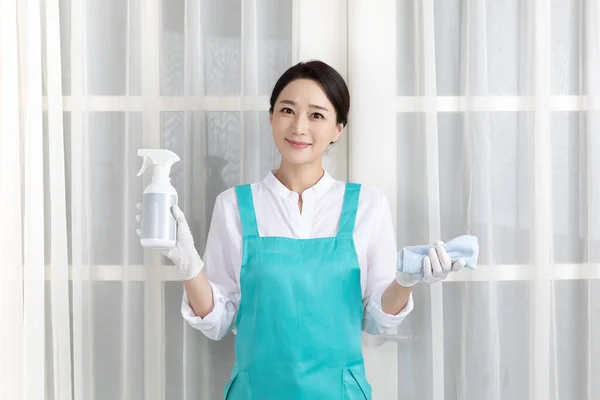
x,y
310,105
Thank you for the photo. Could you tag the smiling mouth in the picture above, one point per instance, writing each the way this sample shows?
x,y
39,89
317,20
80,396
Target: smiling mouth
x,y
297,145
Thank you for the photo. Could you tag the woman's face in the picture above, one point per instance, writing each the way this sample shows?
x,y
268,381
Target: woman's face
x,y
303,122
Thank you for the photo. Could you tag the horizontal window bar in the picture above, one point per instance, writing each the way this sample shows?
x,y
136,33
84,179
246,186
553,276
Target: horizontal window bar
x,y
483,273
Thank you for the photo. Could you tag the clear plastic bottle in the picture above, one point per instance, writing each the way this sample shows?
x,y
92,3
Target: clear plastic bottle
x,y
159,228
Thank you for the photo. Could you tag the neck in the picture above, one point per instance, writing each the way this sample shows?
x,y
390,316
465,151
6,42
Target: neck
x,y
298,178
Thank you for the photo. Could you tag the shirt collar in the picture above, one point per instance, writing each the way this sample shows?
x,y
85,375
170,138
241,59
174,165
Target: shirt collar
x,y
279,189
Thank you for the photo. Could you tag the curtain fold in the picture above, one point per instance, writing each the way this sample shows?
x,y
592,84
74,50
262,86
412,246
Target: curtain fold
x,y
33,206
34,338
11,239
59,267
372,136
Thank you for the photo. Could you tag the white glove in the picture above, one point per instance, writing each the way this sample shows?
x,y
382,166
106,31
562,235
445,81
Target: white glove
x,y
184,255
436,267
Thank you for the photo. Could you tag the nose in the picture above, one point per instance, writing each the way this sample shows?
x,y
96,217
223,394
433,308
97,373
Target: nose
x,y
300,125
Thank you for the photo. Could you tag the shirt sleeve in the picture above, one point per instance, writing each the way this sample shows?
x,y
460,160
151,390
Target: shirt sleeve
x,y
222,258
382,257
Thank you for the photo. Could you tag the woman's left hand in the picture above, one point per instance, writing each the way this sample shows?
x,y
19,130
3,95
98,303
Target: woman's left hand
x,y
437,265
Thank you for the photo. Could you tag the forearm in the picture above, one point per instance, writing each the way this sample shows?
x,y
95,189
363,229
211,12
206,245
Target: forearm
x,y
200,295
395,298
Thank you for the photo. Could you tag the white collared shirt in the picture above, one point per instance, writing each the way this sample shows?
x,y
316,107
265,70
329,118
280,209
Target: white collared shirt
x,y
277,214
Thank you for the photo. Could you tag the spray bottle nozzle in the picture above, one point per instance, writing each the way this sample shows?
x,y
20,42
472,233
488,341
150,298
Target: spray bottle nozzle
x,y
161,159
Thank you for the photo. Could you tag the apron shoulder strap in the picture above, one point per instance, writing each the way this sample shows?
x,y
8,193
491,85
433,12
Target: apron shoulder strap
x,y
349,209
247,213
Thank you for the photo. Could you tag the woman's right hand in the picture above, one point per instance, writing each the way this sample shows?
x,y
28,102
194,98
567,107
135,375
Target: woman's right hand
x,y
184,255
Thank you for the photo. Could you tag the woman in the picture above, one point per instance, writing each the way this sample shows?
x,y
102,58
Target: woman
x,y
299,263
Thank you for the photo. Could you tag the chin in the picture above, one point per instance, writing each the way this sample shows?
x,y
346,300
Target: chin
x,y
295,158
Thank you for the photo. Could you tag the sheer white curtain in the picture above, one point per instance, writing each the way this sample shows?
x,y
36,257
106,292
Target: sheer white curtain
x,y
497,132
473,117
33,212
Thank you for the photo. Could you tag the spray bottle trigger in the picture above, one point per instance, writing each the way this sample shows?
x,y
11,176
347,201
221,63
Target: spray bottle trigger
x,y
144,166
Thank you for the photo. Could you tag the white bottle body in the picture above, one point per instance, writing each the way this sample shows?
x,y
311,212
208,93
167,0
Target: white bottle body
x,y
159,227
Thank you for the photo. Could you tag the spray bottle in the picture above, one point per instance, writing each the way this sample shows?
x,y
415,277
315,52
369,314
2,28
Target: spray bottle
x,y
159,228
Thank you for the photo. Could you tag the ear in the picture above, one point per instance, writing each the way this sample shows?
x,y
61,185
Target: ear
x,y
338,132
271,118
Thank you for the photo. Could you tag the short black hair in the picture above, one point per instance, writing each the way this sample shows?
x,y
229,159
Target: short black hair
x,y
331,81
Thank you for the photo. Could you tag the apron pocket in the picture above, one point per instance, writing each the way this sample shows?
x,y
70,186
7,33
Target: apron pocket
x,y
355,385
239,387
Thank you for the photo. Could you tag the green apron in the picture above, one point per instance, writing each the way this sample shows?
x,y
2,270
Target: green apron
x,y
300,315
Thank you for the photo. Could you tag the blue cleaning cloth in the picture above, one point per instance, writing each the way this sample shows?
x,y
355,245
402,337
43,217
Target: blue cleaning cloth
x,y
410,259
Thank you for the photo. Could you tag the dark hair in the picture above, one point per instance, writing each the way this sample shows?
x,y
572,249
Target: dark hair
x,y
330,80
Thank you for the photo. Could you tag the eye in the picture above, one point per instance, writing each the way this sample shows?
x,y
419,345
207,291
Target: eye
x,y
287,110
317,115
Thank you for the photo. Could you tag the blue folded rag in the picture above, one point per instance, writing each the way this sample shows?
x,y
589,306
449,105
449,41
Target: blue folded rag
x,y
410,259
